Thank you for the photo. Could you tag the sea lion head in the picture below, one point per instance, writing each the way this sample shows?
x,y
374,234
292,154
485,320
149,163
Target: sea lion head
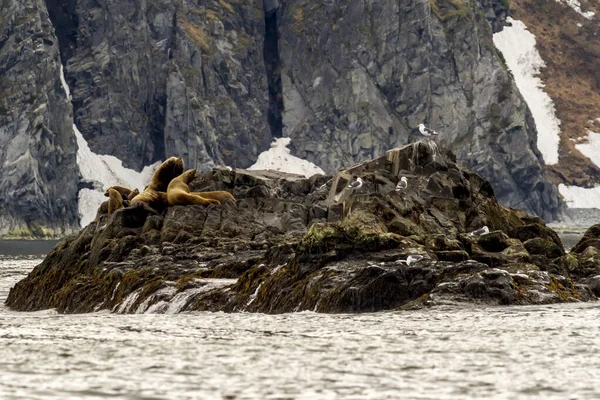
x,y
176,164
168,170
189,175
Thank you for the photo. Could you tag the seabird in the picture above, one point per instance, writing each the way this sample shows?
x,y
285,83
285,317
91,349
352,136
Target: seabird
x,y
426,131
357,183
413,258
480,232
402,184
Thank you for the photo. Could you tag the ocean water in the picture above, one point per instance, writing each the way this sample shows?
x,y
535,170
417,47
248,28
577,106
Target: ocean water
x,y
541,352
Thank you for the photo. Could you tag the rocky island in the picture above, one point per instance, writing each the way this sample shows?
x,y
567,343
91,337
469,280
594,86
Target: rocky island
x,y
291,243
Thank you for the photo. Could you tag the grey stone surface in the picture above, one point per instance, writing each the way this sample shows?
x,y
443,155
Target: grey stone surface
x,y
38,183
155,79
358,78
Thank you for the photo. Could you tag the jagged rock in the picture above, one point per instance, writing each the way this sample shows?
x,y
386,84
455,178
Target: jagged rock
x,y
38,186
266,254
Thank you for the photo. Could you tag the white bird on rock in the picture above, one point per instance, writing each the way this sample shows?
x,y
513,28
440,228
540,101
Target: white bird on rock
x,y
480,232
402,184
356,183
425,131
411,259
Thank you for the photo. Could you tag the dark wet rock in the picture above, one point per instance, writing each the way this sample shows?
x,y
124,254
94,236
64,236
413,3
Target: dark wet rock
x,y
543,247
536,230
590,238
290,243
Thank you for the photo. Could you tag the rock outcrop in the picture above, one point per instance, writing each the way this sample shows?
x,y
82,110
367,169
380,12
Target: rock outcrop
x,y
39,180
290,243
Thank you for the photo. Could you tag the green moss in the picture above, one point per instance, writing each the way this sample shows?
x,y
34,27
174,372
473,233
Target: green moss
x,y
449,9
346,235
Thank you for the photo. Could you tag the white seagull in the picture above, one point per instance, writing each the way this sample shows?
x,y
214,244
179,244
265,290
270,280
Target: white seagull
x,y
413,258
402,184
426,131
356,184
480,232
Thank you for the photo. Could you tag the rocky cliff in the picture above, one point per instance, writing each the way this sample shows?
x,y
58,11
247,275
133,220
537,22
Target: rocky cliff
x,y
290,243
39,180
214,81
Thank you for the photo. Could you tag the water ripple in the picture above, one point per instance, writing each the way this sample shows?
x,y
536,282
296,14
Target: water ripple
x,y
544,352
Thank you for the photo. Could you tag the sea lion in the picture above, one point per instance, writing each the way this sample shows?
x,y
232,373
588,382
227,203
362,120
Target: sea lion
x,y
154,195
216,195
125,192
168,170
178,192
133,193
115,201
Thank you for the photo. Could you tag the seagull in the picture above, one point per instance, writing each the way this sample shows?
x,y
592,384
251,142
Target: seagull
x,y
480,232
357,183
402,184
413,258
426,131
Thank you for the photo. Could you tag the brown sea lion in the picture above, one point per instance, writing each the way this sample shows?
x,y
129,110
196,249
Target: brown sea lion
x,y
154,195
103,209
133,193
216,195
168,170
125,192
115,201
178,192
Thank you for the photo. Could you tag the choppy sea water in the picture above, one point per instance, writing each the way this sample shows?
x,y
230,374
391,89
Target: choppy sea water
x,y
542,352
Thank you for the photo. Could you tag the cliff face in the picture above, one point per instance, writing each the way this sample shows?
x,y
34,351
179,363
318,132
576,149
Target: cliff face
x,y
151,79
214,81
38,183
359,78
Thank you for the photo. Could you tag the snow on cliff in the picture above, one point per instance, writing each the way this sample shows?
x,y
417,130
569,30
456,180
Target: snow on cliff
x,y
517,45
107,170
578,197
591,149
576,5
278,158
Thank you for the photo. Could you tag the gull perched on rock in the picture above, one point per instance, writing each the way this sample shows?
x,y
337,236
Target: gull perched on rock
x,y
402,184
413,258
356,183
425,131
480,232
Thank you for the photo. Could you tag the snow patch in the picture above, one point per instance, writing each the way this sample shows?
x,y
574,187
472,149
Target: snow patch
x,y
591,149
108,170
517,45
578,197
278,158
576,5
